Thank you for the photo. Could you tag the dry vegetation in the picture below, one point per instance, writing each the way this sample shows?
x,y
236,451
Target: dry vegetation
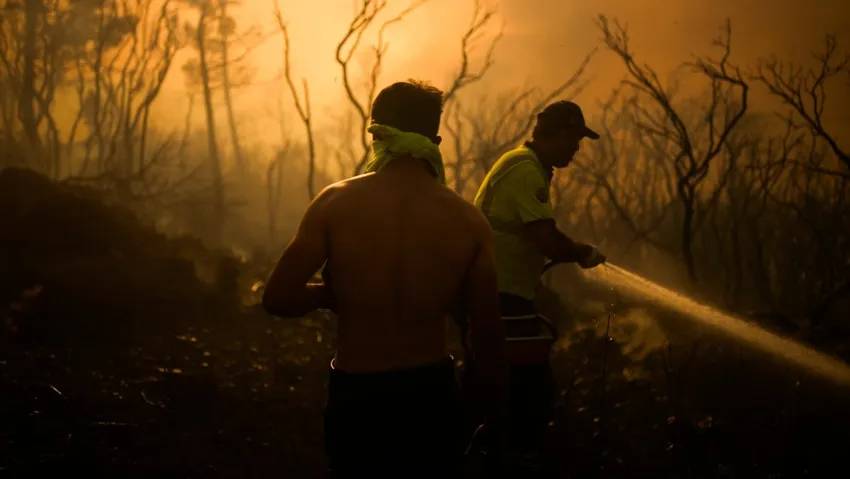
x,y
129,347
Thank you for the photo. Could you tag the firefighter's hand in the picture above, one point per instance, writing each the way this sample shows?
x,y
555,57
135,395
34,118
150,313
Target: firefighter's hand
x,y
593,258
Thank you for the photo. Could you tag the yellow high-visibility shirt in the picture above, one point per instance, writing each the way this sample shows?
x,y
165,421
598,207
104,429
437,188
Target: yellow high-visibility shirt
x,y
516,191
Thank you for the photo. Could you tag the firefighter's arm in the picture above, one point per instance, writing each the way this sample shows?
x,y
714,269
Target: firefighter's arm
x,y
558,247
538,223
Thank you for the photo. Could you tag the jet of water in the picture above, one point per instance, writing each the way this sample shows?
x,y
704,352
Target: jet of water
x,y
750,334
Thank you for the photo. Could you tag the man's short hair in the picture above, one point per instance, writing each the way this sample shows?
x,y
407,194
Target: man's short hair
x,y
409,106
559,116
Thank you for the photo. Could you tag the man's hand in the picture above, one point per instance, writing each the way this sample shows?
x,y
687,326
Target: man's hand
x,y
592,258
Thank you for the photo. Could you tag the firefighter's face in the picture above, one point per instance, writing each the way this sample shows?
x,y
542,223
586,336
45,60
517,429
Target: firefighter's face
x,y
568,145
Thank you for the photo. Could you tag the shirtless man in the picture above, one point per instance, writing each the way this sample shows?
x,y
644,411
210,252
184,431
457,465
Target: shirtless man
x,y
404,251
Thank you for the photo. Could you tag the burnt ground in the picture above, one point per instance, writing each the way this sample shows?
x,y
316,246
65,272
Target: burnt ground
x,y
124,353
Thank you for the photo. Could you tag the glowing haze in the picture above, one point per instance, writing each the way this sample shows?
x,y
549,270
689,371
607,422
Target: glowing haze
x,y
543,41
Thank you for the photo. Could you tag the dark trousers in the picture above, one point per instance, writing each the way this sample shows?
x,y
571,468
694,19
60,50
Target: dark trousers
x,y
531,388
405,423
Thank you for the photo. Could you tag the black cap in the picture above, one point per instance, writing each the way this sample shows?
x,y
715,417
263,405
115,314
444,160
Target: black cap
x,y
562,114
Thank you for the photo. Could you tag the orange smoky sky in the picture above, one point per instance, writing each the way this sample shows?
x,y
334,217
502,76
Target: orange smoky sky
x,y
543,42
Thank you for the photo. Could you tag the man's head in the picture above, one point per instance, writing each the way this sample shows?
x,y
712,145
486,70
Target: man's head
x,y
558,132
410,106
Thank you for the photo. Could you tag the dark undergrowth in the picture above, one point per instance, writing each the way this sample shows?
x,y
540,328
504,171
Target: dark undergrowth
x,y
124,353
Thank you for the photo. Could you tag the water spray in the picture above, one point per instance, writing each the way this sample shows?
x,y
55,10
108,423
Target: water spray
x,y
743,331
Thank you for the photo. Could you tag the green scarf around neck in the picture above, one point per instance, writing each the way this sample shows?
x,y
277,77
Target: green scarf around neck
x,y
390,143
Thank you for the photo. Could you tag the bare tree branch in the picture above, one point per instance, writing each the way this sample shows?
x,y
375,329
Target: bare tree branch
x,y
722,115
804,90
303,108
348,46
481,19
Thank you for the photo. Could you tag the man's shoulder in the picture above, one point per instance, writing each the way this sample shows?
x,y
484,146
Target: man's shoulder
x,y
516,163
353,182
447,200
523,175
519,154
474,218
345,187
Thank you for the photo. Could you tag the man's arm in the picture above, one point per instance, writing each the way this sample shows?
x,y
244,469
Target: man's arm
x,y
486,329
288,293
558,247
531,202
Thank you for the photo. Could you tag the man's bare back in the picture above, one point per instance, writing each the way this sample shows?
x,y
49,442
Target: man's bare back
x,y
403,250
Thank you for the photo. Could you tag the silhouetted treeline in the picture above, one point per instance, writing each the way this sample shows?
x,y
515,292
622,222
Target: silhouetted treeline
x,y
746,209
